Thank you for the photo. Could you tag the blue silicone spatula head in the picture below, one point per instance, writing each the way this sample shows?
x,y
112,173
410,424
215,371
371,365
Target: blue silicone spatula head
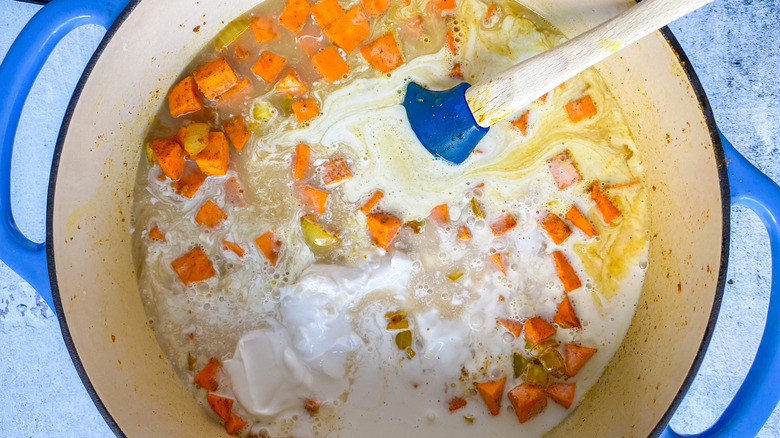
x,y
443,122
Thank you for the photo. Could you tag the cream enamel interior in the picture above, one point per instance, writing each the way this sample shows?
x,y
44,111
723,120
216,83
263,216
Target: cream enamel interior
x,y
96,277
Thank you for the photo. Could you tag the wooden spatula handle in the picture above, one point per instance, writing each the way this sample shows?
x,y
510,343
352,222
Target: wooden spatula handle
x,y
512,90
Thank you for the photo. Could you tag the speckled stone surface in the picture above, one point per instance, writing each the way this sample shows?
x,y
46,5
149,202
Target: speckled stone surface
x,y
734,45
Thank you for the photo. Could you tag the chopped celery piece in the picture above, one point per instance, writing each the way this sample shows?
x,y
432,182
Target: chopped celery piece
x,y
468,419
477,209
519,364
315,236
149,153
552,361
229,33
536,375
191,361
410,352
261,111
396,315
528,345
403,340
454,276
398,325
416,226
196,138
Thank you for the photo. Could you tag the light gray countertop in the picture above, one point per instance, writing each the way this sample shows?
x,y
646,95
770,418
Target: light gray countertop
x,y
734,45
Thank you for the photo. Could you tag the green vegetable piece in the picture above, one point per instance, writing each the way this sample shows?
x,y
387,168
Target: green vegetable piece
x,y
410,352
528,345
396,315
536,375
149,153
191,361
477,209
519,364
398,325
454,276
229,33
468,419
552,361
416,226
261,111
403,340
316,237
196,138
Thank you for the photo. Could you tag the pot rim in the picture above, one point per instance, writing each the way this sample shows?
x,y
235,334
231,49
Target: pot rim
x,y
693,79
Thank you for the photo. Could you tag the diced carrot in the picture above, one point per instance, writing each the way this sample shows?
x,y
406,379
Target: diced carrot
x,y
213,160
291,84
537,330
243,85
575,216
312,406
492,392
170,157
306,109
234,194
627,185
241,52
441,213
608,210
234,424
456,403
521,123
562,393
210,215
442,7
451,43
237,131
326,12
314,198
503,225
334,171
372,201
215,77
497,262
555,227
383,53
501,298
207,377
349,30
456,71
268,66
382,227
543,98
294,14
220,405
581,109
528,401
575,357
565,316
330,64
156,234
226,244
263,28
269,246
183,98
563,170
513,325
300,161
566,273
464,234
492,10
193,266
376,7
189,183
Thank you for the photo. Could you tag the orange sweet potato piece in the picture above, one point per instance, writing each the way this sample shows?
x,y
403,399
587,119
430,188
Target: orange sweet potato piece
x,y
563,170
349,30
215,77
541,100
555,227
241,52
189,183
464,234
562,393
226,244
237,131
456,403
622,186
312,406
213,160
565,316
179,137
314,198
382,227
326,12
451,41
513,325
503,224
294,14
241,86
300,161
234,193
376,7
492,10
207,377
528,401
581,109
575,357
268,66
193,266
291,84
183,98
269,246
372,201
210,215
263,29
441,213
492,392
156,234
575,216
497,262
383,53
170,157
608,210
234,424
566,273
220,405
334,171
330,64
456,71
537,330
306,109
521,123
442,7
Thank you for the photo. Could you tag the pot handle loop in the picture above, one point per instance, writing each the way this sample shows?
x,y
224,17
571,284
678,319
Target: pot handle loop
x,y
18,72
756,399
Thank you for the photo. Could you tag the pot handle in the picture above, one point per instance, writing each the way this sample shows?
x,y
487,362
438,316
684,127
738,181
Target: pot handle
x,y
18,72
756,399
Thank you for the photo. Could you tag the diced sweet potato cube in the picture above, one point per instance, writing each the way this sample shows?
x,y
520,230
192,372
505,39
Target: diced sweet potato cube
x,y
300,161
222,406
563,170
464,234
575,357
442,7
330,64
565,316
305,109
503,225
268,66
543,98
452,44
456,71
269,246
513,325
383,53
608,210
243,86
372,201
170,157
241,52
156,234
210,215
215,77
312,406
566,272
537,330
291,84
555,227
441,214
498,262
314,198
294,14
349,30
562,393
179,137
193,266
263,29
382,227
334,171
521,123
232,246
183,98
376,7
237,131
207,377
456,403
326,12
234,193
581,109
234,424
528,401
575,216
213,160
492,10
189,183
492,392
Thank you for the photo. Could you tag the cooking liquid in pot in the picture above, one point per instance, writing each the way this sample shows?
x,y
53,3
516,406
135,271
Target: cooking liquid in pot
x,y
319,331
